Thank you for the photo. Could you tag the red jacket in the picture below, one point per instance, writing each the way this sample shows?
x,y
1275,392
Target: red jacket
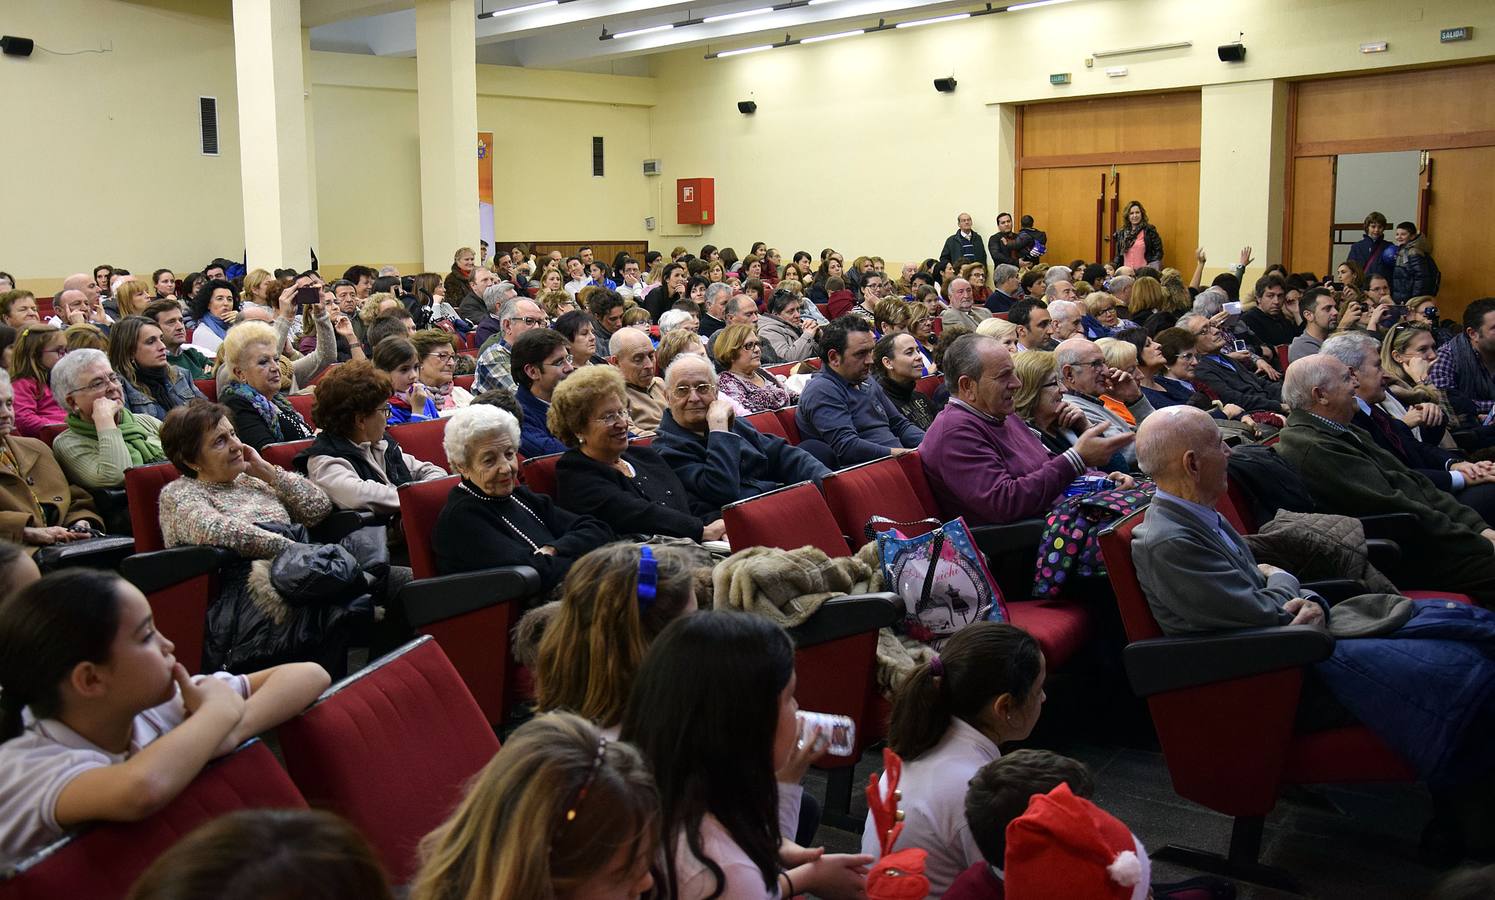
x,y
839,304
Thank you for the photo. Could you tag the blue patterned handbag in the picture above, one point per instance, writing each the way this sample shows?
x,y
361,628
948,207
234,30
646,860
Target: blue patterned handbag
x,y
940,575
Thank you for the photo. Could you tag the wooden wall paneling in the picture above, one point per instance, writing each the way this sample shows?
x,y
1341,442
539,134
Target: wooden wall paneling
x,y
1062,203
1312,203
603,250
1170,194
1395,106
1460,230
1138,122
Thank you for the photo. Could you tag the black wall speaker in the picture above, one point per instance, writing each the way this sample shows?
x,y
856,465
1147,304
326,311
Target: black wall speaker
x,y
16,46
747,107
1232,52
945,85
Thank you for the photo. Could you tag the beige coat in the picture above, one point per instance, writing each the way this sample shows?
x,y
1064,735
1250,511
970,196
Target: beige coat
x,y
39,473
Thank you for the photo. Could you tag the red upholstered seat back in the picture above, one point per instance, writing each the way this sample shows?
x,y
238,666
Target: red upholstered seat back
x,y
877,488
391,749
143,486
208,387
787,420
423,440
303,404
913,470
929,384
465,381
420,504
103,861
1236,509
49,433
840,677
539,473
1116,549
281,454
787,518
767,422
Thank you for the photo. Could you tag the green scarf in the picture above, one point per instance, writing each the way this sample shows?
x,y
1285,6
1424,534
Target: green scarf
x,y
143,446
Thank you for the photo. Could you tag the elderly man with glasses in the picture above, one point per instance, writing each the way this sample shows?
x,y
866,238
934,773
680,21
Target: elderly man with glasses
x,y
1085,377
516,316
631,351
720,458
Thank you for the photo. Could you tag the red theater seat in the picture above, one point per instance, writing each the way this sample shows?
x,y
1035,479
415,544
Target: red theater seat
x,y
767,423
303,404
283,453
208,387
420,504
423,440
787,518
539,473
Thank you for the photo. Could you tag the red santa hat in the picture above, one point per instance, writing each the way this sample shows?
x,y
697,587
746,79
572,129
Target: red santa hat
x,y
1067,848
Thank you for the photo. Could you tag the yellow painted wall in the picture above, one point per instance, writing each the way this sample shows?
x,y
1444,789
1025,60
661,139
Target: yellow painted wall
x,y
855,131
101,158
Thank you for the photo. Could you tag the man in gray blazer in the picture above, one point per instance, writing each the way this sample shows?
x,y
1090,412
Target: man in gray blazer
x,y
1197,572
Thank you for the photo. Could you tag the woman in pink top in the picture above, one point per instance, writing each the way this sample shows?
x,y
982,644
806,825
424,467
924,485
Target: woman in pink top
x,y
1137,243
37,350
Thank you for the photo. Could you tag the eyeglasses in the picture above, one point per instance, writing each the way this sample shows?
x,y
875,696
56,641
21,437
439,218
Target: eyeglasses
x,y
98,384
562,363
60,351
380,411
444,357
684,391
531,321
752,345
1096,364
614,417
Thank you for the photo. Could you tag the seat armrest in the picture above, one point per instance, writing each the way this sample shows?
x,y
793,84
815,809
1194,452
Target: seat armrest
x,y
430,600
1389,526
844,616
160,569
1175,663
998,540
1384,554
113,508
1336,590
340,523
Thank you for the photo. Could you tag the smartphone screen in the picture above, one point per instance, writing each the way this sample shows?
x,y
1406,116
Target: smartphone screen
x,y
310,295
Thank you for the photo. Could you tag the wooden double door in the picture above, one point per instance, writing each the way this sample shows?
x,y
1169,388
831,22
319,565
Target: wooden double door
x,y
1081,207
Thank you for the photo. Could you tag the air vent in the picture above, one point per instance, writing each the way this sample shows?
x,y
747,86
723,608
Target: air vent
x,y
596,157
207,113
651,167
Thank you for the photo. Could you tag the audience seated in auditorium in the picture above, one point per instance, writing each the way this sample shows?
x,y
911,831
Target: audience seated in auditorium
x,y
721,458
631,351
167,314
560,811
18,309
330,339
516,316
103,437
495,300
1451,547
628,487
1268,320
1465,368
950,718
38,348
1407,355
614,603
438,367
1006,288
261,412
672,288
963,309
842,410
151,385
38,507
115,731
1035,327
1320,319
998,793
1229,374
897,366
471,306
738,350
354,459
789,333
409,401
541,360
1085,377
262,853
492,520
215,307
729,786
983,462
580,330
714,314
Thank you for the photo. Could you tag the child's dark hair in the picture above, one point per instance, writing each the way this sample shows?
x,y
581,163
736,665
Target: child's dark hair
x,y
1000,790
46,629
980,663
294,854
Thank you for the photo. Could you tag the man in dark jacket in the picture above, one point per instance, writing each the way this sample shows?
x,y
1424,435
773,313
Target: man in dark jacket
x,y
999,246
1006,288
1231,381
1030,244
1373,253
964,246
721,459
1267,320
1414,273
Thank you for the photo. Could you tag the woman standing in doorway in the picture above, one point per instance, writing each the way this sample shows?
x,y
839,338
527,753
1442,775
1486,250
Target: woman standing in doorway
x,y
1137,243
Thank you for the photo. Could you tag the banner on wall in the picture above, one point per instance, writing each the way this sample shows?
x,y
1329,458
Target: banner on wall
x,y
485,190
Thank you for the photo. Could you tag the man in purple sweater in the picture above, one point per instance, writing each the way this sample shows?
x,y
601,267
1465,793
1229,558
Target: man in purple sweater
x,y
981,459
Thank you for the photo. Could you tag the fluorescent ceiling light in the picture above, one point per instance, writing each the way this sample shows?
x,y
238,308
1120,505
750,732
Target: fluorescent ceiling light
x,y
818,2
726,53
528,7
638,31
832,37
917,22
738,15
1035,4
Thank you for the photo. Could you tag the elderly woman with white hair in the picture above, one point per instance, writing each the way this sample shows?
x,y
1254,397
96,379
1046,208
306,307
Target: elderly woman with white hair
x,y
103,438
490,519
261,412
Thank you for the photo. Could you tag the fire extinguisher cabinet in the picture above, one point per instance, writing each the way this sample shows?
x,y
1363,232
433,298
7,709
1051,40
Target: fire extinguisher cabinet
x,y
695,201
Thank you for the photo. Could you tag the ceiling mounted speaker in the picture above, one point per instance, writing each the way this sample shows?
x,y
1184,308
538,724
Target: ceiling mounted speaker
x,y
945,85
747,107
16,46
1232,52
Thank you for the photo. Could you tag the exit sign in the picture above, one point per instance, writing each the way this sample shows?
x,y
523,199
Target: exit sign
x,y
1462,33
1059,78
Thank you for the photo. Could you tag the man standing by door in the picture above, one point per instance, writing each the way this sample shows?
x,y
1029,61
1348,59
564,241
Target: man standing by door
x,y
965,245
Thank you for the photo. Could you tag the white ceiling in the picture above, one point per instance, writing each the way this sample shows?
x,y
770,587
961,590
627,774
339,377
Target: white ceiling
x,y
567,35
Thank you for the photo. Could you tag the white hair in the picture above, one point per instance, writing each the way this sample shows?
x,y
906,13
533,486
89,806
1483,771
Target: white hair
x,y
1210,301
478,421
621,336
1351,348
1057,273
1316,371
672,319
1165,435
1069,351
1065,309
1119,283
63,378
687,360
1051,290
497,294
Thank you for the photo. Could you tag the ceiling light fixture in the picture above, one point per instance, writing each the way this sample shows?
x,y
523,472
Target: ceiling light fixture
x,y
725,17
935,21
515,10
832,37
759,49
638,31
1035,4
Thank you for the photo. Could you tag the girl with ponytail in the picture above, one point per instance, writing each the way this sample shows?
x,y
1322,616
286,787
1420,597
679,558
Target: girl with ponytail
x,y
98,721
949,719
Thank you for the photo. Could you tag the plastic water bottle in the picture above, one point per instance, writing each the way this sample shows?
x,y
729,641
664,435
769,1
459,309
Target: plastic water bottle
x,y
839,731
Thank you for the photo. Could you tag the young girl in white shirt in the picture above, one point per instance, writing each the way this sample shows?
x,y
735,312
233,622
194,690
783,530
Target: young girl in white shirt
x,y
983,690
98,719
713,711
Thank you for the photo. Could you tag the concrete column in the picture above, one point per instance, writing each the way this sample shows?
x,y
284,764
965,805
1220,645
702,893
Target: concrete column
x,y
279,197
1243,158
1006,167
447,81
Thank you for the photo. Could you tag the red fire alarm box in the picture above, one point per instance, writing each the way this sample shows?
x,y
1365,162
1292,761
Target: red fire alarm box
x,y
695,201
